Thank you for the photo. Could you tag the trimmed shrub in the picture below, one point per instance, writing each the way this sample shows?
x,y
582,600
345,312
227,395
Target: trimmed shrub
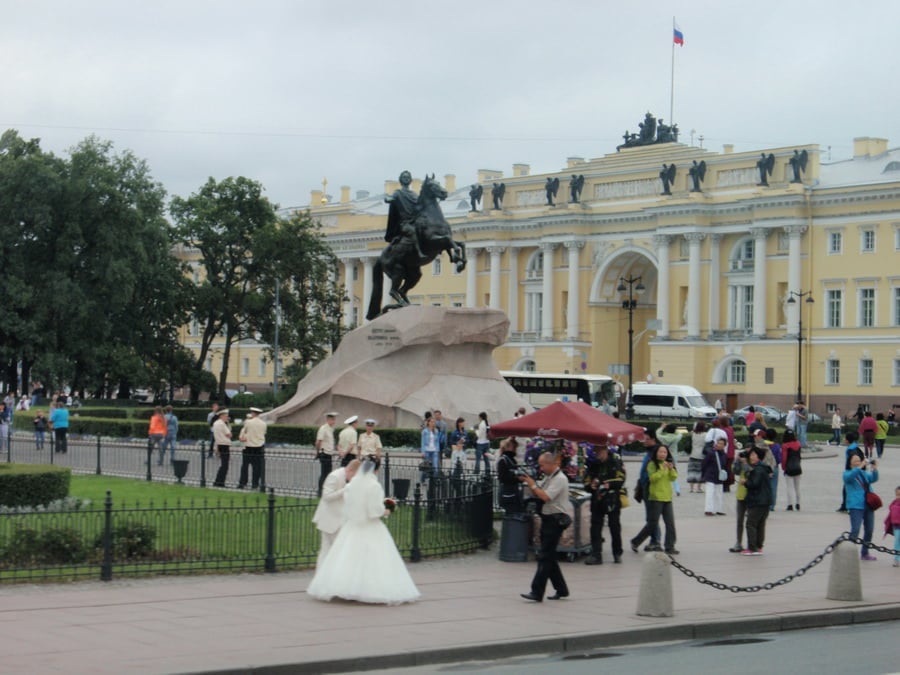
x,y
55,546
33,484
130,540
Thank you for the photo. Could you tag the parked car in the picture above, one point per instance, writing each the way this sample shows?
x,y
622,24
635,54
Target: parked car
x,y
770,414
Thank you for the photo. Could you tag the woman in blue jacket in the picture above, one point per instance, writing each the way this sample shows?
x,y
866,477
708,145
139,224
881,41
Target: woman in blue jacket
x,y
856,482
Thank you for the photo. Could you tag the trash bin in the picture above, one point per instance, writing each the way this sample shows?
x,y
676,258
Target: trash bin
x,y
180,466
514,537
401,488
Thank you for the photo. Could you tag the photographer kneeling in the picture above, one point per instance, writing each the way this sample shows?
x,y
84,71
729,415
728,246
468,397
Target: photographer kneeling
x,y
556,516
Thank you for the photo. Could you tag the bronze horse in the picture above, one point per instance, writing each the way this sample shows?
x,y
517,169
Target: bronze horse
x,y
399,259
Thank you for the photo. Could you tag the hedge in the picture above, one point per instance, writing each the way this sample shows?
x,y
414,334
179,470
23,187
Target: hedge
x,y
33,484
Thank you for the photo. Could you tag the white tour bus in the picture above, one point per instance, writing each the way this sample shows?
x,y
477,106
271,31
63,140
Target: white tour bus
x,y
542,389
670,400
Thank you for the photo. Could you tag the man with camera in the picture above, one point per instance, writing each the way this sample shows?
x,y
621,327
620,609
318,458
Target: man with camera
x,y
556,516
604,477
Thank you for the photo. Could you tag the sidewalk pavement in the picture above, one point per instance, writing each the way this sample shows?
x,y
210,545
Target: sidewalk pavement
x,y
470,606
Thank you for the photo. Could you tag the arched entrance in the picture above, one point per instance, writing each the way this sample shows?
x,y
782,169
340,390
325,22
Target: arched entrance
x,y
610,313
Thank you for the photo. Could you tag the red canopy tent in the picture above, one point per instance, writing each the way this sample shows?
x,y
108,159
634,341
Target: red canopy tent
x,y
576,421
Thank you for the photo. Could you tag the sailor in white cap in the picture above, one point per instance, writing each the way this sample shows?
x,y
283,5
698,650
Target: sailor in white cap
x,y
222,434
253,436
348,440
325,447
369,442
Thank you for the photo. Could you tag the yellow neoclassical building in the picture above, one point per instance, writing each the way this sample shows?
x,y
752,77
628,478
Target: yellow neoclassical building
x,y
719,258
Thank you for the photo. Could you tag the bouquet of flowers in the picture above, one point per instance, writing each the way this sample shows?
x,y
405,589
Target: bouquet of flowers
x,y
390,504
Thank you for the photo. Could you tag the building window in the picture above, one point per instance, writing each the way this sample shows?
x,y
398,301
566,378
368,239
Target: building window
x,y
209,363
835,243
769,375
897,372
833,308
741,314
245,366
866,307
867,243
833,371
436,267
742,259
897,306
534,302
457,304
865,372
194,330
261,368
736,373
897,238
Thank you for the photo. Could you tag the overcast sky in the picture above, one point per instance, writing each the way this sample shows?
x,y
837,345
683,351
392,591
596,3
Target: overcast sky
x,y
288,92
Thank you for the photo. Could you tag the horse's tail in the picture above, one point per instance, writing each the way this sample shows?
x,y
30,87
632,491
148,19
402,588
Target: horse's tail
x,y
377,291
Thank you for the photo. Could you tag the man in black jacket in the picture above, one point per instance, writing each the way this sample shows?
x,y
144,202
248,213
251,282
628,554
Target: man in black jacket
x,y
604,476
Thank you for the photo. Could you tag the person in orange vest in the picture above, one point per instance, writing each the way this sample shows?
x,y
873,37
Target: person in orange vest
x,y
157,432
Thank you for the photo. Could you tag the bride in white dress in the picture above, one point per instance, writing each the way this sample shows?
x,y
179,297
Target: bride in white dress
x,y
364,563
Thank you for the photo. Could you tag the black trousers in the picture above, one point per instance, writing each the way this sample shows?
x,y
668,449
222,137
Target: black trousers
x,y
252,458
326,466
62,439
346,459
548,561
224,458
599,513
756,526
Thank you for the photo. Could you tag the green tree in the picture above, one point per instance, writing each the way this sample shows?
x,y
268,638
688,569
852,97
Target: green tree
x,y
311,301
95,294
222,221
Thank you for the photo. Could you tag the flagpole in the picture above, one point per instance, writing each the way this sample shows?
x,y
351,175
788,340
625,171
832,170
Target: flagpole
x,y
672,86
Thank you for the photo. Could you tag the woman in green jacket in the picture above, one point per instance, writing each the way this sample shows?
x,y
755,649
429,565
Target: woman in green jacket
x,y
662,473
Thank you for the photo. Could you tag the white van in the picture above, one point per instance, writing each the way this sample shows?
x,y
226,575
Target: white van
x,y
670,400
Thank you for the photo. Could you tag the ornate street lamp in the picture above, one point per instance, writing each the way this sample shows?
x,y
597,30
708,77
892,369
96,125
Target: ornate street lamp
x,y
792,301
632,285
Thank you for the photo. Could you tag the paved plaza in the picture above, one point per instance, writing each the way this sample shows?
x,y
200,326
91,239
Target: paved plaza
x,y
470,606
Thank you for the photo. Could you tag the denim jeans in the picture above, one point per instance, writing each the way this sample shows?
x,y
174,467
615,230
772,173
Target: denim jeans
x,y
168,443
480,449
866,518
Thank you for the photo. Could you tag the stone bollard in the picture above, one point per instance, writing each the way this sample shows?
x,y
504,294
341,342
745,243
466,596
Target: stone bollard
x,y
655,594
844,579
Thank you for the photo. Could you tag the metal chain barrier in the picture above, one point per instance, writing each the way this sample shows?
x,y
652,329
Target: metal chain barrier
x,y
785,580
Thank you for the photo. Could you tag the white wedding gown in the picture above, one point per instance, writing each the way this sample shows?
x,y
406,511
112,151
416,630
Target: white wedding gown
x,y
364,563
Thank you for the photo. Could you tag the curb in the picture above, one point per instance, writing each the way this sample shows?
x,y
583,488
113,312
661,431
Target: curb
x,y
586,642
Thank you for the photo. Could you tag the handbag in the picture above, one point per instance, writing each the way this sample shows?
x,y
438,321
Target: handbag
x,y
638,492
723,474
873,501
563,520
623,498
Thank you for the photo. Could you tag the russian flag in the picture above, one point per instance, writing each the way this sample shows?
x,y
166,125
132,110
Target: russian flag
x,y
678,35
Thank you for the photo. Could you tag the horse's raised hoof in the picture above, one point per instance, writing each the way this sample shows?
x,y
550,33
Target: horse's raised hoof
x,y
460,266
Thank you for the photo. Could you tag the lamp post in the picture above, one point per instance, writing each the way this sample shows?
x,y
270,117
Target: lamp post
x,y
632,285
791,301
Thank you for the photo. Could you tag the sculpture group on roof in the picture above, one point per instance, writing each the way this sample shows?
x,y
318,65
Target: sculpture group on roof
x,y
652,131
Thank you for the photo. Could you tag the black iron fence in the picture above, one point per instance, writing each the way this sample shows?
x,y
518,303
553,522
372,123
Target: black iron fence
x,y
289,470
221,535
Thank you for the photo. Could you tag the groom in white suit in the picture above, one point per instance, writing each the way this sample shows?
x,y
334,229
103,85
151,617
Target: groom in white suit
x,y
329,515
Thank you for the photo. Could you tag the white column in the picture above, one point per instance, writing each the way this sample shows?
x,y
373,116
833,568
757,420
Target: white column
x,y
495,252
662,284
759,280
368,262
714,281
471,271
547,291
694,286
349,264
512,308
573,321
794,232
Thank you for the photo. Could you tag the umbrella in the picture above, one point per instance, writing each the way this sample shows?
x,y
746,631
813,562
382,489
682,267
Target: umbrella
x,y
576,422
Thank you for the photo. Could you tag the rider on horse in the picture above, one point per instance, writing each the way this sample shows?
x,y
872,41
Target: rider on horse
x,y
402,214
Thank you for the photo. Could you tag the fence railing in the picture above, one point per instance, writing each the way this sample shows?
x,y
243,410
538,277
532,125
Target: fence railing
x,y
288,470
219,535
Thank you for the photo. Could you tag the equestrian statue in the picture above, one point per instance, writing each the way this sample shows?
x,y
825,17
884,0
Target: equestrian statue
x,y
417,233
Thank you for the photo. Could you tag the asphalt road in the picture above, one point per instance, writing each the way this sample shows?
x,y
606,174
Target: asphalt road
x,y
868,649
